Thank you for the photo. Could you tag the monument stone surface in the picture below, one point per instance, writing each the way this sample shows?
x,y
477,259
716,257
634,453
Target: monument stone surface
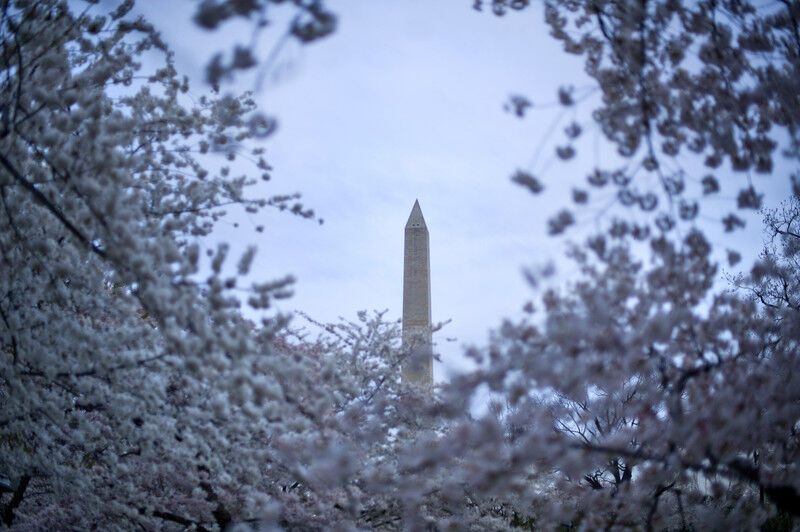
x,y
417,367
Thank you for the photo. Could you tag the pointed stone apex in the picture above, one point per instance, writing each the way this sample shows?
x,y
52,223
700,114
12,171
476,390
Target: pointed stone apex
x,y
415,219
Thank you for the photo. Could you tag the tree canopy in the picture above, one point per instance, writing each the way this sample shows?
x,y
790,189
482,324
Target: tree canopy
x,y
136,394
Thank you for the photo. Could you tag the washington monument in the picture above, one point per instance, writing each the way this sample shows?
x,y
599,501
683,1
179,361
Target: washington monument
x,y
417,368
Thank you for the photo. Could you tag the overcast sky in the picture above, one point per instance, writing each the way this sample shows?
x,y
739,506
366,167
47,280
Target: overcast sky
x,y
405,101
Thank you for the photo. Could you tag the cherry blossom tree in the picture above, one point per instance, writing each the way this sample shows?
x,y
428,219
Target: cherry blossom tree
x,y
133,390
637,397
136,394
715,81
310,21
671,432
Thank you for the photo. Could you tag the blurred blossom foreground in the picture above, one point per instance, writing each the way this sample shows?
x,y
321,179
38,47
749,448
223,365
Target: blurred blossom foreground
x,y
147,380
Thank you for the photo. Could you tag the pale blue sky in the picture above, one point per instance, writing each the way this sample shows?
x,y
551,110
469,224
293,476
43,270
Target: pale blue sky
x,y
405,101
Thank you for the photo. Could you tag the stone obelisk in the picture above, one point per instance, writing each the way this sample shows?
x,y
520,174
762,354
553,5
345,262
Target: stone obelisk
x,y
417,366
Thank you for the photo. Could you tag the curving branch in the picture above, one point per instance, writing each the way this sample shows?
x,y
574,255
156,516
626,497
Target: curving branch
x,y
7,510
54,210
